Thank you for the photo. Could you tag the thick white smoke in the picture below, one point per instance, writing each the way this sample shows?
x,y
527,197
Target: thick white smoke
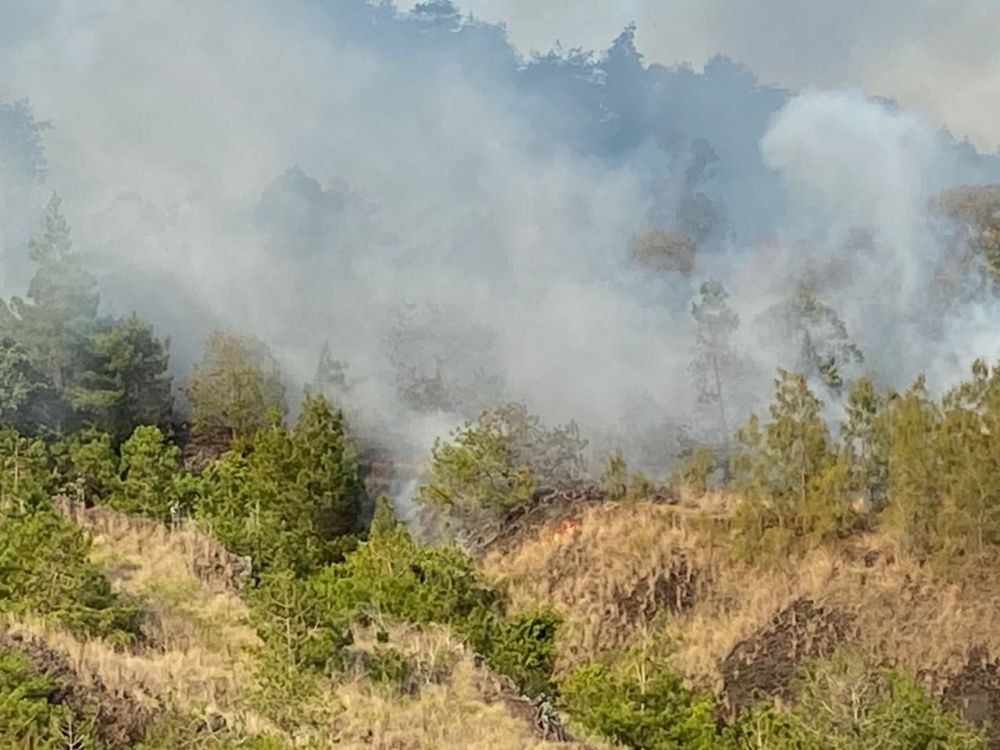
x,y
287,169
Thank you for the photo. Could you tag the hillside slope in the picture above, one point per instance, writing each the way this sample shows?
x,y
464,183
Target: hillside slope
x,y
197,658
627,572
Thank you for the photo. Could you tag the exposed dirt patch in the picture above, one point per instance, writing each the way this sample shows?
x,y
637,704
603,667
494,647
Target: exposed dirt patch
x,y
766,663
119,720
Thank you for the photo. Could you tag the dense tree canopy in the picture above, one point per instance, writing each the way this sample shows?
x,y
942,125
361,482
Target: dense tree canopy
x,y
293,499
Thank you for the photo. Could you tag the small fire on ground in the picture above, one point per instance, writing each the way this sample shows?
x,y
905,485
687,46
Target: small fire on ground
x,y
565,530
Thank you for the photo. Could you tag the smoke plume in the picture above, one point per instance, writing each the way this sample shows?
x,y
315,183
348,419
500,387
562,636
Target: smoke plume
x,y
453,215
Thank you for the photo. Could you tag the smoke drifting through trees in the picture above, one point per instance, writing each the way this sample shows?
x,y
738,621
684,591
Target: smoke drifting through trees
x,y
459,226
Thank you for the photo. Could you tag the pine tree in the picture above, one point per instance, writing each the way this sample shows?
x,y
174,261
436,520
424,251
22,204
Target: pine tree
x,y
914,469
25,472
497,462
235,390
825,350
328,479
969,450
151,478
28,402
794,484
293,501
62,310
714,358
973,213
83,370
865,442
330,380
22,149
124,381
796,438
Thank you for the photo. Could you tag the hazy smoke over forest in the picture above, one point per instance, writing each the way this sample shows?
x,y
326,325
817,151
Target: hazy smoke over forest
x,y
408,187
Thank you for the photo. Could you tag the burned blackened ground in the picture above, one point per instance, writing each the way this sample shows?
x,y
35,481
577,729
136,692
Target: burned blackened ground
x,y
975,692
766,664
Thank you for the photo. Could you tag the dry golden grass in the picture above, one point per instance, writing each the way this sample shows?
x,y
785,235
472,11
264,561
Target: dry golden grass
x,y
200,634
188,549
600,574
198,659
189,612
450,715
471,709
900,609
192,678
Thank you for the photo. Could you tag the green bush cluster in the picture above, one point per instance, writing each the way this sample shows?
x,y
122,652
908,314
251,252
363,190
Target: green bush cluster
x,y
655,713
924,469
305,622
292,498
495,463
842,702
28,717
45,571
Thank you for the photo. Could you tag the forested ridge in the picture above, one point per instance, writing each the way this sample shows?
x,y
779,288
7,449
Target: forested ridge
x,y
337,616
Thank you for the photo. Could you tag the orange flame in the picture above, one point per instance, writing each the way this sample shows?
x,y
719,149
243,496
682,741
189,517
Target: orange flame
x,y
566,529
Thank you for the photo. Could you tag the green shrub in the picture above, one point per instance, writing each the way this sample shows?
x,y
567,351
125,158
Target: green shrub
x,y
496,463
25,712
87,461
522,647
655,713
151,476
844,702
305,623
301,627
30,715
45,571
26,477
303,634
392,574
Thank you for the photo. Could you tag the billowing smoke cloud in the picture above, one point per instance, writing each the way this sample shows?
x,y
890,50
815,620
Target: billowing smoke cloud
x,y
409,189
852,163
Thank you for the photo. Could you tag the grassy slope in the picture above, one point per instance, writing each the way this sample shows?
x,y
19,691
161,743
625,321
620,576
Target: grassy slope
x,y
606,574
200,657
